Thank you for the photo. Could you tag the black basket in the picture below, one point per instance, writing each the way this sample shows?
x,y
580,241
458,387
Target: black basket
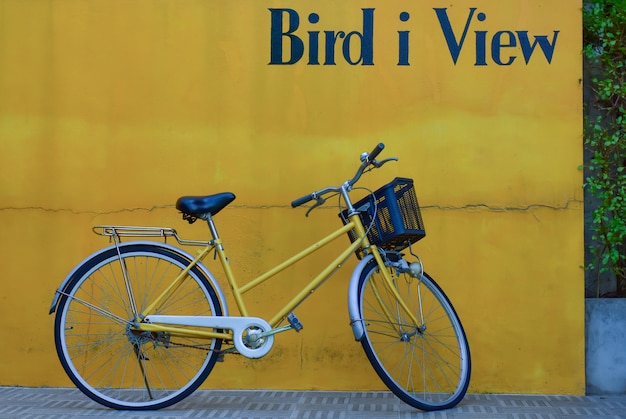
x,y
398,221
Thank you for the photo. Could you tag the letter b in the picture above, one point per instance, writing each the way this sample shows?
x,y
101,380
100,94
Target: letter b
x,y
277,34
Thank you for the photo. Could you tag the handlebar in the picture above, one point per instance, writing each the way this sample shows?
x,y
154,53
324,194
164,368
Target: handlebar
x,y
367,159
375,152
302,200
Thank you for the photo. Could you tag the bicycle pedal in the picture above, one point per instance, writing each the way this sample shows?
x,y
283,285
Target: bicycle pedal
x,y
294,322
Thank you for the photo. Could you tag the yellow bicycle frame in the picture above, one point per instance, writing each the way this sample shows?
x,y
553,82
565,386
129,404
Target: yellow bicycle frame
x,y
361,243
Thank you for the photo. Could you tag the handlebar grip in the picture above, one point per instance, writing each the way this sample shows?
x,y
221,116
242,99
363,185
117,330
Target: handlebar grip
x,y
300,201
376,152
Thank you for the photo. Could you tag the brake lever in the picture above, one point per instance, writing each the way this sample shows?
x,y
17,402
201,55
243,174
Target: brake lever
x,y
378,164
319,201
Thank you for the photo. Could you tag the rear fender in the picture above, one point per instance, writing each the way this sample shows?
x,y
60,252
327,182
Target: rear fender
x,y
62,288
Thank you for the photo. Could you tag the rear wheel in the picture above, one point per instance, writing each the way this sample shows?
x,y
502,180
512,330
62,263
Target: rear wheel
x,y
108,359
427,364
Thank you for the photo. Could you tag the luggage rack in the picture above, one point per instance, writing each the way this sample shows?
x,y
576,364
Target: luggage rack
x,y
117,232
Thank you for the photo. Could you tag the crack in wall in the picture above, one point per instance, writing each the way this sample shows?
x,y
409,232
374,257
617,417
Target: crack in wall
x,y
567,205
522,208
85,212
488,207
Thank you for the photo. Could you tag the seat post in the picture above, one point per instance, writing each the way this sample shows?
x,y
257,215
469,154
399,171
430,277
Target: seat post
x,y
211,224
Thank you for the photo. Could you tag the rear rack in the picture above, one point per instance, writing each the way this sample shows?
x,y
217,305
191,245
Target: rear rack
x,y
118,232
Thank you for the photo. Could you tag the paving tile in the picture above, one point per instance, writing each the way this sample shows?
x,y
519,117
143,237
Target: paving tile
x,y
48,403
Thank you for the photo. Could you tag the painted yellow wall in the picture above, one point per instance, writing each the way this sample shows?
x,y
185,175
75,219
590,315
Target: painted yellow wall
x,y
110,110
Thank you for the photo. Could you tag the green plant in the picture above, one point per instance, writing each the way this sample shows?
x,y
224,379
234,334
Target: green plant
x,y
604,37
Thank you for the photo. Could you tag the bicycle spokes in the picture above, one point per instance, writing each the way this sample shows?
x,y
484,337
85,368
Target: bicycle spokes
x,y
425,363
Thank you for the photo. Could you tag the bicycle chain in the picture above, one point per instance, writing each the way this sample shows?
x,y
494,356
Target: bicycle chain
x,y
166,343
157,338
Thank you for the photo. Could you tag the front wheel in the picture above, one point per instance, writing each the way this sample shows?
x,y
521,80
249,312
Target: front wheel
x,y
426,364
113,362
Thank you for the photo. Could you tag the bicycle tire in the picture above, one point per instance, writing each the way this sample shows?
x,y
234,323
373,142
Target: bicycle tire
x,y
108,361
427,367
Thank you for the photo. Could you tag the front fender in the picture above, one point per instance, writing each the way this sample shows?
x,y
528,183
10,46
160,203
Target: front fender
x,y
353,299
180,252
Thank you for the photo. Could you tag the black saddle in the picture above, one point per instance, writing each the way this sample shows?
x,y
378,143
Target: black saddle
x,y
199,206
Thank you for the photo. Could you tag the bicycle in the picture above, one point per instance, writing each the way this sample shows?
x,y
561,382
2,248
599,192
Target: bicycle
x,y
140,324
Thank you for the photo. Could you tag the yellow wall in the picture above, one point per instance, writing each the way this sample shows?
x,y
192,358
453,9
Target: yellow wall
x,y
110,109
